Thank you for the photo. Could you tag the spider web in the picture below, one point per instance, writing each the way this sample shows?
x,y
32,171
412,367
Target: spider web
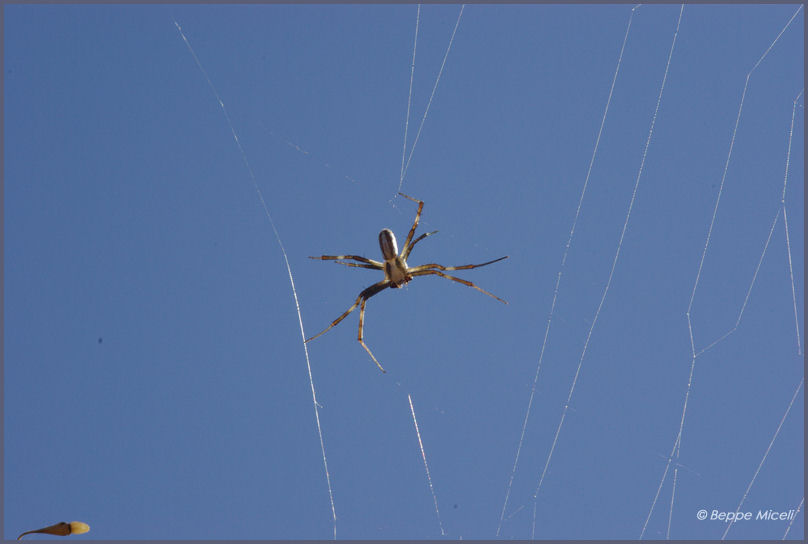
x,y
672,459
536,450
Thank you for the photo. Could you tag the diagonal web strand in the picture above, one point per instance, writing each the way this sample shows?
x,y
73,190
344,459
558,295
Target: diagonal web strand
x,y
726,163
765,455
661,482
560,273
286,261
426,466
409,97
673,496
790,523
791,274
785,222
757,269
748,291
616,255
431,96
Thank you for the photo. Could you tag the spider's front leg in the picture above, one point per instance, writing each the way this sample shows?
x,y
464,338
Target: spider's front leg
x,y
369,263
464,267
406,248
406,254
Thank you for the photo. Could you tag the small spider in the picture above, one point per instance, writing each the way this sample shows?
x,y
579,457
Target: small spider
x,y
396,271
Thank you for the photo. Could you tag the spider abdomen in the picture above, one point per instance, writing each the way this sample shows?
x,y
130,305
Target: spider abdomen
x,y
387,243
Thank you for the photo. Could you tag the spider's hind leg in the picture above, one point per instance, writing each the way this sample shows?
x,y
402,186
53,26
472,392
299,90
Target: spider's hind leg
x,y
361,334
361,300
458,280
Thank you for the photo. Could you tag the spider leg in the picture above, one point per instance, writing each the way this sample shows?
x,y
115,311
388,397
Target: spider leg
x,y
405,249
370,266
375,264
448,277
405,255
464,267
361,331
364,295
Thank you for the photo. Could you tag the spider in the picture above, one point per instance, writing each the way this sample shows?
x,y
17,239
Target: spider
x,y
396,272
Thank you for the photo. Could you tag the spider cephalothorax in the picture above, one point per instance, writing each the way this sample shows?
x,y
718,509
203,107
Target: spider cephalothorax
x,y
396,271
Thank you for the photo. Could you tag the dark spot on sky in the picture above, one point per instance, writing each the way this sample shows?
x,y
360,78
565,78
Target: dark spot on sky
x,y
100,340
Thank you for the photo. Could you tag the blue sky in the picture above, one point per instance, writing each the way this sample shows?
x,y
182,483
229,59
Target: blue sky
x,y
156,384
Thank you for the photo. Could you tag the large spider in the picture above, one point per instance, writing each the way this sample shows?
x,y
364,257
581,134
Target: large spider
x,y
396,271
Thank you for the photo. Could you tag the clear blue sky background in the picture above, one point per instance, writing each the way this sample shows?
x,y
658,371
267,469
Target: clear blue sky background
x,y
155,378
